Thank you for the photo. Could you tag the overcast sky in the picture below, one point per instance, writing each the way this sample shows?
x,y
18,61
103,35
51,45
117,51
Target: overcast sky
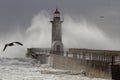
x,y
20,12
17,15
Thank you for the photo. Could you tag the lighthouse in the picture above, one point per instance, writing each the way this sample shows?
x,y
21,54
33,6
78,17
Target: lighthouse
x,y
56,44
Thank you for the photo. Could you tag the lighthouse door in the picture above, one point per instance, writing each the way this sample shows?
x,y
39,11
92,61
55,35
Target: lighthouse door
x,y
58,48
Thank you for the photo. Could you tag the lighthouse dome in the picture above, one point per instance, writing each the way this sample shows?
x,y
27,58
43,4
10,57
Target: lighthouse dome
x,y
57,12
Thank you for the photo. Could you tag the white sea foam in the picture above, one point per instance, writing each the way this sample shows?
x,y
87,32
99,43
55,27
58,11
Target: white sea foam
x,y
24,69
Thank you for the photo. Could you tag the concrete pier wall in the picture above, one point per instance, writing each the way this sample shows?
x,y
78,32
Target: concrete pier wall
x,y
91,68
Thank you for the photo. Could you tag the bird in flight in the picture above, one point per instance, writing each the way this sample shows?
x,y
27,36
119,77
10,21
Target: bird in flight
x,y
11,44
101,16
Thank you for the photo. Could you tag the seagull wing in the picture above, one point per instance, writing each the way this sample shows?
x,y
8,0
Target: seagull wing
x,y
5,47
18,43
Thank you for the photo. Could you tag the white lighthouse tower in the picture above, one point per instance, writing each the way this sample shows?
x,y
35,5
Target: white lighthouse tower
x,y
57,45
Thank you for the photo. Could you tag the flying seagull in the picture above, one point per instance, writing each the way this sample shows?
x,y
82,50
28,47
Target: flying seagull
x,y
101,16
11,44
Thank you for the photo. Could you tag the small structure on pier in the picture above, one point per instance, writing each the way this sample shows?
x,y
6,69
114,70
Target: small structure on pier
x,y
40,54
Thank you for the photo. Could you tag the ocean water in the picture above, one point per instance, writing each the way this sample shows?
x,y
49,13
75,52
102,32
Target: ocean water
x,y
30,69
